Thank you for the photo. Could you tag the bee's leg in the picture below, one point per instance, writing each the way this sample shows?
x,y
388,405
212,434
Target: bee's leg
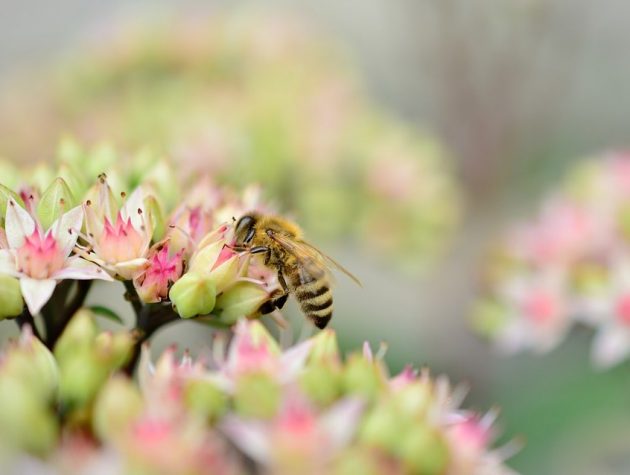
x,y
280,301
260,250
283,282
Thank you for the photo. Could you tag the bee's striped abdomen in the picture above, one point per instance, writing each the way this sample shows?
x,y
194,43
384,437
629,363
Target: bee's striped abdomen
x,y
315,298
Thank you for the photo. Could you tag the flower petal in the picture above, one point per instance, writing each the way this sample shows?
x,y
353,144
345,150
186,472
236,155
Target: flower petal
x,y
78,268
18,225
66,229
36,292
129,269
251,437
7,263
294,358
340,422
133,203
610,346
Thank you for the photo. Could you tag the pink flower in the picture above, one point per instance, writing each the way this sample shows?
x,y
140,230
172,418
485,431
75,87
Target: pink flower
x,y
42,258
298,438
163,269
253,350
118,239
469,440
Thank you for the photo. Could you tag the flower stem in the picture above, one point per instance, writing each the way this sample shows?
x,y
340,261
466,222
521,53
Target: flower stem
x,y
149,319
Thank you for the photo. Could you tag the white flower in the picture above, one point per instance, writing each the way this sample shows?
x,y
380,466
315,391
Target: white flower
x,y
42,258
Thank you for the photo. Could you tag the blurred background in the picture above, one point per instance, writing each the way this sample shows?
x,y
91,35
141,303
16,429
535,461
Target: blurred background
x,y
503,95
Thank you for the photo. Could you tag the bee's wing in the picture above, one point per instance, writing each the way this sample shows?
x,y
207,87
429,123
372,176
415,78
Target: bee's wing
x,y
310,256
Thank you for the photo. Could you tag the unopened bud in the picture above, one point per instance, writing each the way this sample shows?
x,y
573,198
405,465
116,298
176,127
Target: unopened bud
x,y
56,200
193,295
205,398
362,377
116,407
424,451
257,395
241,300
11,301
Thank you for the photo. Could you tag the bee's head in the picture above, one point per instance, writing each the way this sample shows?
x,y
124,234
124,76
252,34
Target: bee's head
x,y
244,230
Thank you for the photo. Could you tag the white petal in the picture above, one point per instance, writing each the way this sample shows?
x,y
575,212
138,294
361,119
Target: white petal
x,y
340,422
80,269
293,360
66,229
129,269
250,437
146,369
36,292
611,345
18,225
7,263
133,203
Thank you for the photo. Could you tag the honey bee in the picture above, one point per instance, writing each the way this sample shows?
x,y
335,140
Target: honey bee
x,y
303,270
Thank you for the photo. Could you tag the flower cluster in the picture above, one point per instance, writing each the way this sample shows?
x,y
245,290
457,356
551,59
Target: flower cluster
x,y
129,227
248,406
569,265
254,98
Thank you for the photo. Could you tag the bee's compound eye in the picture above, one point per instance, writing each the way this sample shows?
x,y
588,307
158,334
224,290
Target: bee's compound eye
x,y
244,230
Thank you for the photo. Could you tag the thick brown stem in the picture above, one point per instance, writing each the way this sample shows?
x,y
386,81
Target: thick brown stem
x,y
149,318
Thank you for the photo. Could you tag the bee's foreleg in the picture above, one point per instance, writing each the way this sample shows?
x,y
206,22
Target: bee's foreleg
x,y
260,250
283,283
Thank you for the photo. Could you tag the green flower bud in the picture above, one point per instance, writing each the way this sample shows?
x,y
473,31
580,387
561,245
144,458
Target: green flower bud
x,y
205,258
356,461
81,378
204,262
193,295
78,336
115,408
325,348
362,377
26,423
9,173
113,350
11,301
424,451
56,200
241,300
32,363
415,398
205,398
101,160
74,180
261,337
257,395
383,428
321,383
41,176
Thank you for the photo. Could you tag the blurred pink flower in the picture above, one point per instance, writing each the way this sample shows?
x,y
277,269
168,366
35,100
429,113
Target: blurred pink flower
x,y
298,439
